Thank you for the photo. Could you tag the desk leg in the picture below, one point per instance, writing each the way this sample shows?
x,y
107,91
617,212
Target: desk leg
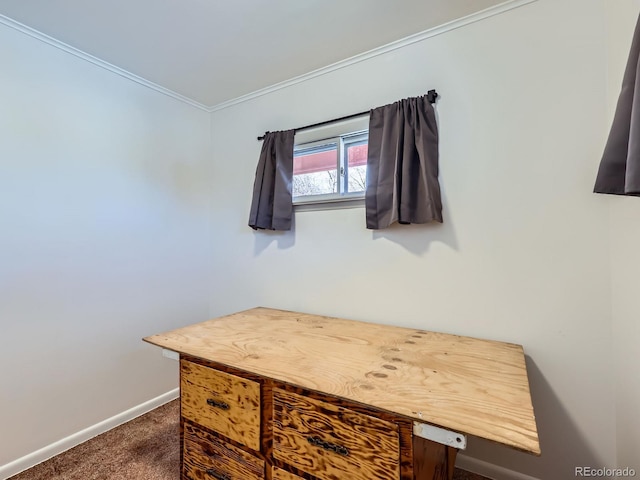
x,y
432,461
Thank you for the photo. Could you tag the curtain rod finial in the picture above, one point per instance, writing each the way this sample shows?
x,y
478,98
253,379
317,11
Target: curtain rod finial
x,y
432,95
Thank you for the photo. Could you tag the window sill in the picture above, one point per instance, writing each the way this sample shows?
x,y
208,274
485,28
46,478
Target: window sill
x,y
335,203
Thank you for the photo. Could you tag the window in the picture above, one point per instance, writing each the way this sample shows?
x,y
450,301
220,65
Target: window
x,y
330,163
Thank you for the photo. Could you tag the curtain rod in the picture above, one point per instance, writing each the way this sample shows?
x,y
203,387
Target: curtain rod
x,y
431,96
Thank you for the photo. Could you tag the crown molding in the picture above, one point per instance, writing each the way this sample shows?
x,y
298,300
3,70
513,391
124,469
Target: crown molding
x,y
415,38
9,22
418,37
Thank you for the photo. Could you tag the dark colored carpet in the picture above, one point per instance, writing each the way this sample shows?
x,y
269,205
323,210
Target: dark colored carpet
x,y
146,448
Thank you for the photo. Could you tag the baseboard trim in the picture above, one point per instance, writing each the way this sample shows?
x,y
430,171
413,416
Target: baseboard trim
x,y
56,448
489,470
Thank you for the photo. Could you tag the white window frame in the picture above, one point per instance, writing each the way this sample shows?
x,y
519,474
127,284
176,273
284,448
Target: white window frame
x,y
339,133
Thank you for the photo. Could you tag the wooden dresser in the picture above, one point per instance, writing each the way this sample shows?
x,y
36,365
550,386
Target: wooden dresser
x,y
277,395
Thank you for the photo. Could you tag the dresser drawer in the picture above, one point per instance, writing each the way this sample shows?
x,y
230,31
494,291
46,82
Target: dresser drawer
x,y
222,402
208,458
332,442
279,474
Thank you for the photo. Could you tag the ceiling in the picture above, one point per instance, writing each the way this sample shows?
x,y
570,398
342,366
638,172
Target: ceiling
x,y
213,51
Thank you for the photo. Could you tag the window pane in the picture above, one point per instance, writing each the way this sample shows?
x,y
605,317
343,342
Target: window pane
x,y
315,170
357,165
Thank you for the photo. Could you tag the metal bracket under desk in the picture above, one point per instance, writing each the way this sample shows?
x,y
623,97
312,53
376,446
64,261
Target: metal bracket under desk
x,y
440,435
170,354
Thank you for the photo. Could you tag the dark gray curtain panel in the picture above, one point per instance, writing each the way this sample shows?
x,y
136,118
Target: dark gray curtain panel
x,y
272,207
619,172
402,167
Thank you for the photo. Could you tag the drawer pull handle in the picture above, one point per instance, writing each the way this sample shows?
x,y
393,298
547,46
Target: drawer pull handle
x,y
318,442
217,475
217,404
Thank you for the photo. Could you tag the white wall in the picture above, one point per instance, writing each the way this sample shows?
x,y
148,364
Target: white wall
x,y
625,238
625,258
103,240
523,255
104,191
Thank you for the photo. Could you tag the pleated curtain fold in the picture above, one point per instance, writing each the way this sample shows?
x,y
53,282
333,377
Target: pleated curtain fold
x,y
402,165
619,172
272,206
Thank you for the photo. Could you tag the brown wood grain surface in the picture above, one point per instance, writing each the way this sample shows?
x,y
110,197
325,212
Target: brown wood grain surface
x,y
280,474
433,461
221,402
208,458
332,442
473,386
404,425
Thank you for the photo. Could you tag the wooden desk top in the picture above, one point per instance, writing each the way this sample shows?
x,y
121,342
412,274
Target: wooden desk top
x,y
472,386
